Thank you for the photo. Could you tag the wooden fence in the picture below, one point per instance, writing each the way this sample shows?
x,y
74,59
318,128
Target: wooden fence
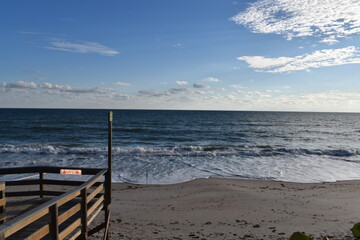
x,y
64,214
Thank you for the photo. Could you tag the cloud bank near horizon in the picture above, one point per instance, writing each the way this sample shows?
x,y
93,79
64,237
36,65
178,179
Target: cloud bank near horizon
x,y
55,95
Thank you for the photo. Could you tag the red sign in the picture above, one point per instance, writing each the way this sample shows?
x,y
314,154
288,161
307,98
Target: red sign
x,y
70,171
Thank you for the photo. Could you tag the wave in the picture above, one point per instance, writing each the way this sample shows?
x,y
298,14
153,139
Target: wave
x,y
161,151
174,164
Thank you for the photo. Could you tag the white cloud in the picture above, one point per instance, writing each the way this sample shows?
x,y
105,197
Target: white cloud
x,y
82,47
253,94
52,88
40,78
237,86
122,96
319,58
170,92
181,82
211,79
153,93
47,85
179,90
19,85
200,85
121,84
273,91
329,20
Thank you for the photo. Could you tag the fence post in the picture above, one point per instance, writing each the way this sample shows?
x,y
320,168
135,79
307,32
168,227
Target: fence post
x,y
84,222
54,224
41,186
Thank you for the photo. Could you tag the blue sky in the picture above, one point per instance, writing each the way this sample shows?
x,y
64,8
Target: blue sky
x,y
280,55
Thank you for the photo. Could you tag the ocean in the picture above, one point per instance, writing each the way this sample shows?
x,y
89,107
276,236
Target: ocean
x,y
164,147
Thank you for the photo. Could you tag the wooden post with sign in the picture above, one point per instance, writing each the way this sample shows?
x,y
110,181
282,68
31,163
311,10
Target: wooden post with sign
x,y
108,177
110,119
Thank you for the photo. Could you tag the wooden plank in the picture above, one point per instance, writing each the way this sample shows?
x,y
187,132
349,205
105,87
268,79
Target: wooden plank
x,y
2,202
23,182
17,207
53,193
93,216
33,193
95,179
3,217
95,205
46,182
95,192
69,213
22,193
2,186
27,218
67,231
42,232
69,197
61,182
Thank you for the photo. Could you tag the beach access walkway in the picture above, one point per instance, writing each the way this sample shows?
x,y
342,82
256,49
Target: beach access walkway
x,y
47,205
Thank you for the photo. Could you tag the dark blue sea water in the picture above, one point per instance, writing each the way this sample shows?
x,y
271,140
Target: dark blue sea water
x,y
175,146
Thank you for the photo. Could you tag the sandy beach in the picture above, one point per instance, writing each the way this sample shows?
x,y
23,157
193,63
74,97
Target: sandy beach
x,y
234,209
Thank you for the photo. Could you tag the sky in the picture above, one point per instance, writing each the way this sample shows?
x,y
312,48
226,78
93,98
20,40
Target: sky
x,y
265,55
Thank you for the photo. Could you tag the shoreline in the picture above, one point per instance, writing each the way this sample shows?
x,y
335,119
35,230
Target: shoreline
x,y
227,208
235,179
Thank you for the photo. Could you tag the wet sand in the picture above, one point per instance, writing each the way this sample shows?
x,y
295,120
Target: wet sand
x,y
234,209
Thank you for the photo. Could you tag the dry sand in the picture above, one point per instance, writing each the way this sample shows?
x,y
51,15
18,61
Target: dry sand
x,y
234,209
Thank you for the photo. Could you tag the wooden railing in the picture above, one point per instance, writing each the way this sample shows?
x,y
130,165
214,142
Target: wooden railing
x,y
67,215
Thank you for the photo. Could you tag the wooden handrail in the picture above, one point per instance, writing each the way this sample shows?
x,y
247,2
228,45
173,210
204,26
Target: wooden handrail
x,y
46,182
19,222
45,169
